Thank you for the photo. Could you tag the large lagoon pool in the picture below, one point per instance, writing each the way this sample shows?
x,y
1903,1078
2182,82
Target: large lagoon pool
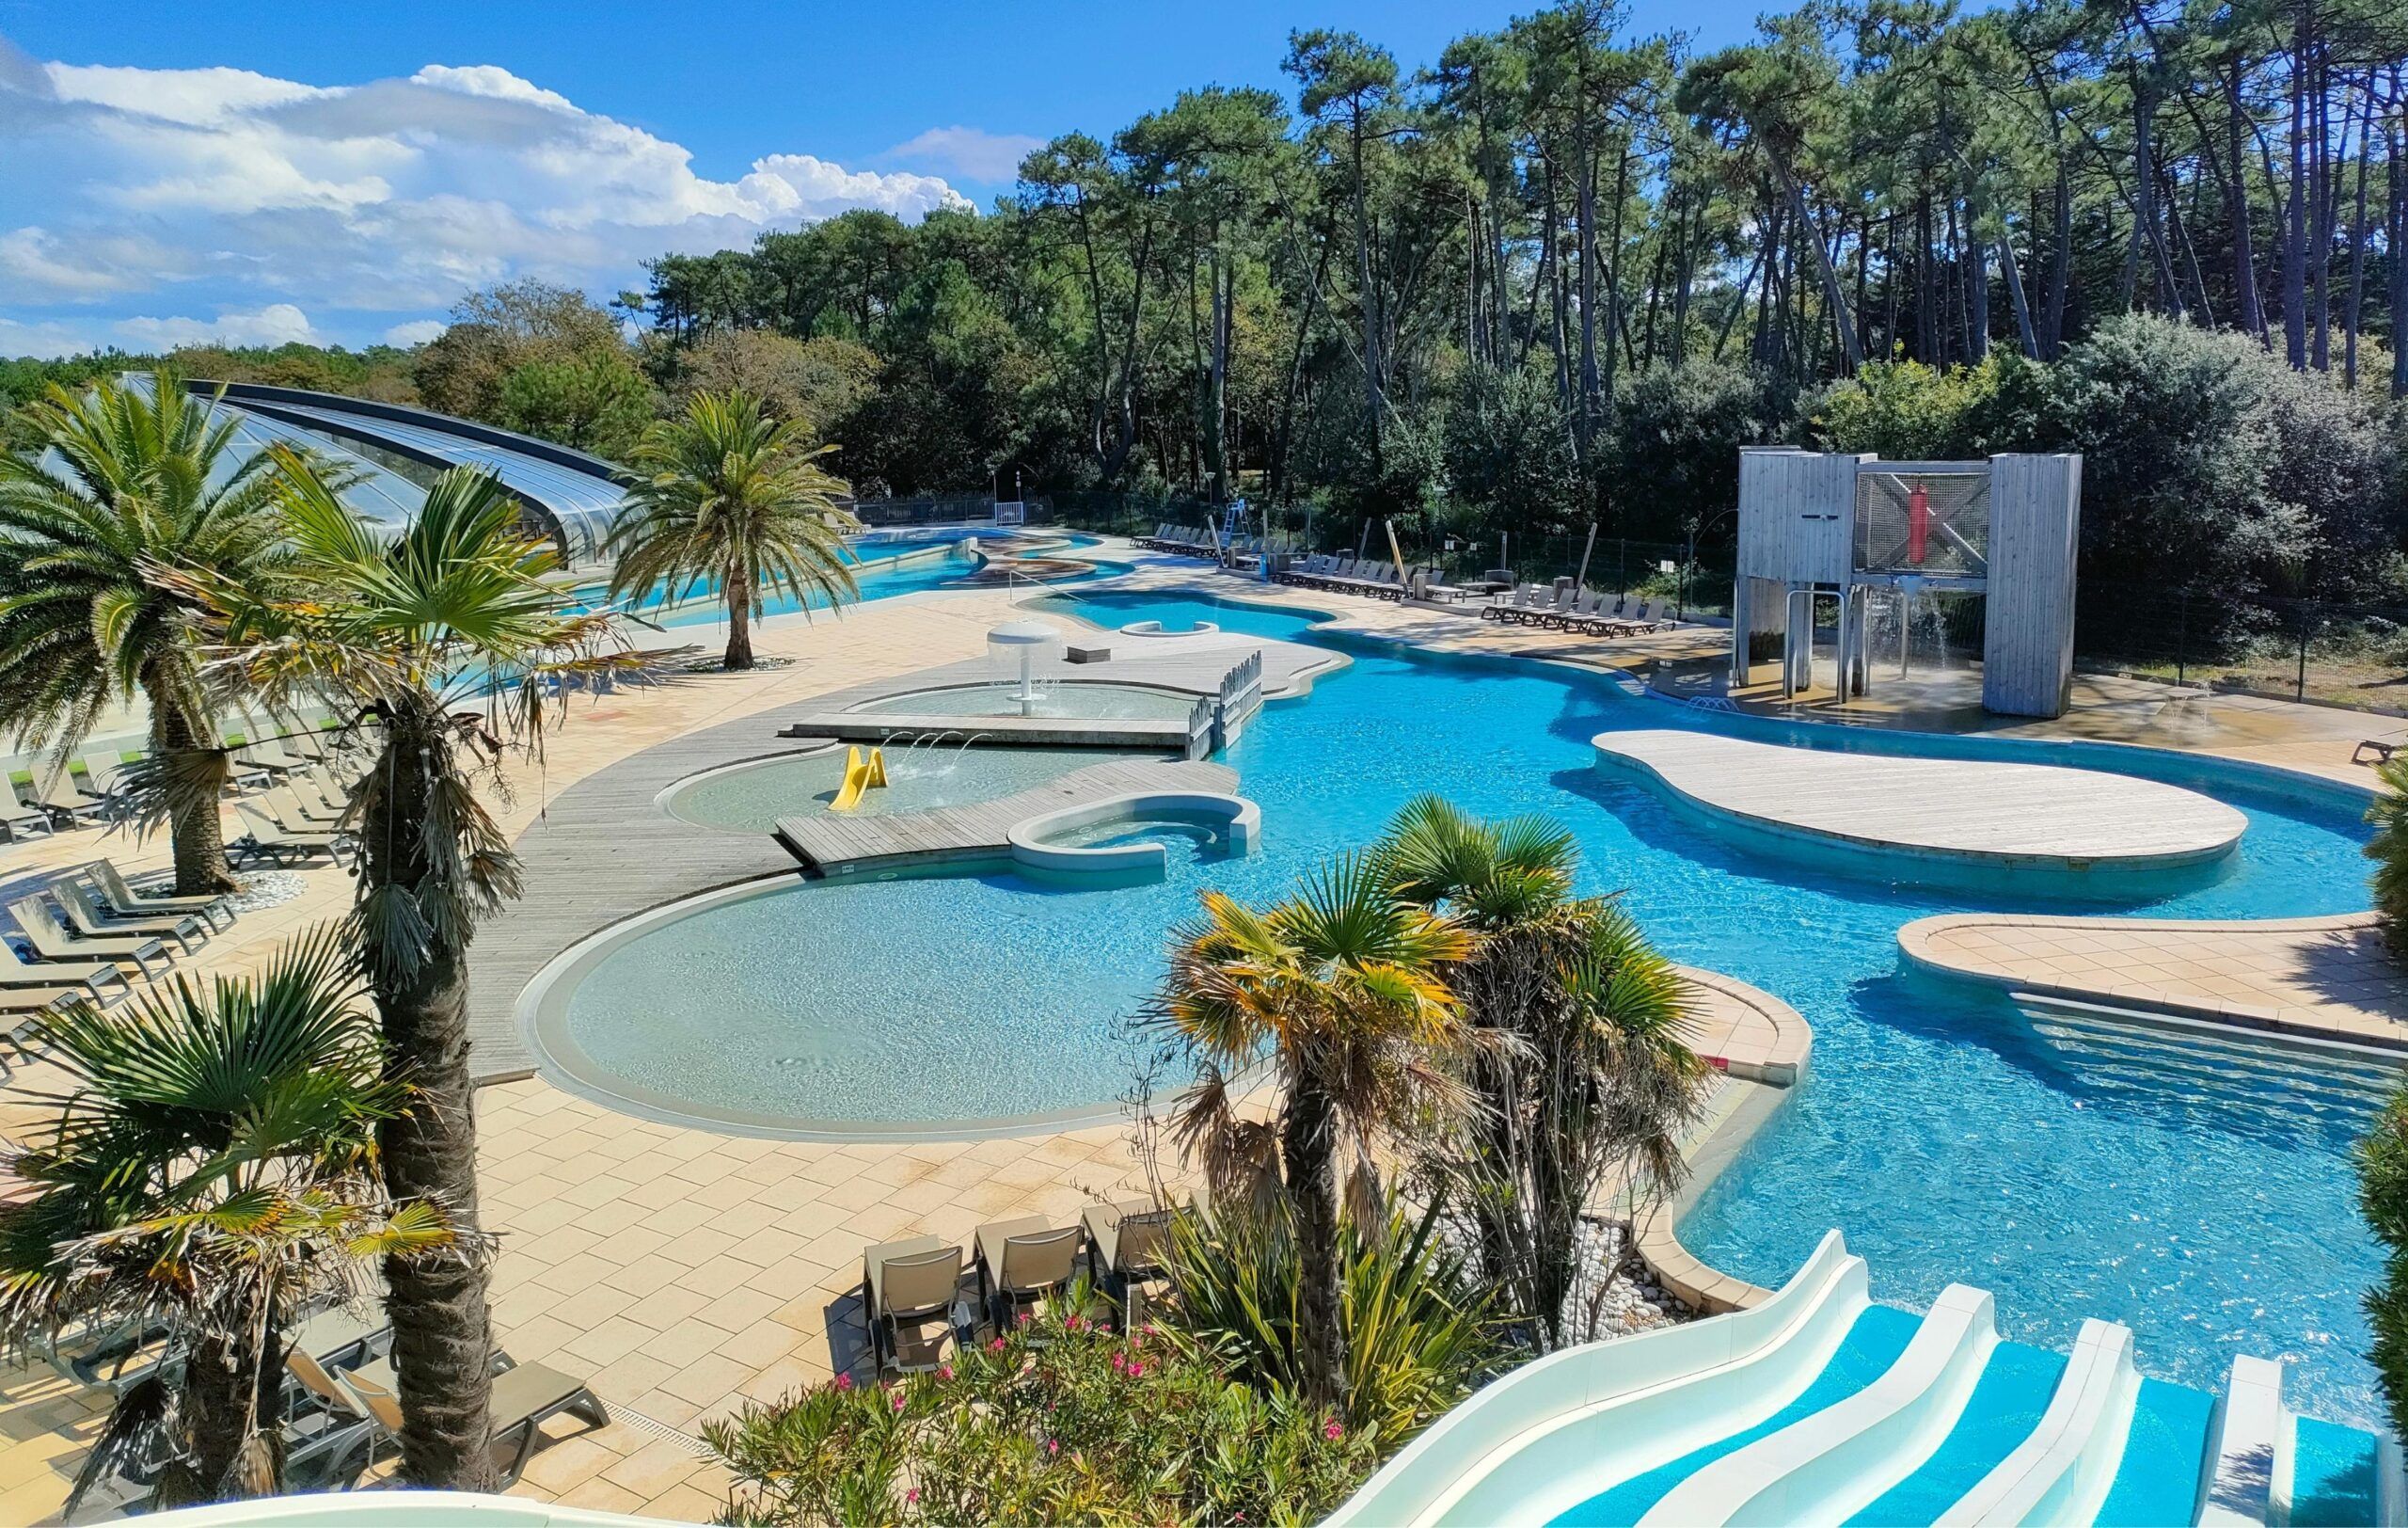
x,y
1946,1138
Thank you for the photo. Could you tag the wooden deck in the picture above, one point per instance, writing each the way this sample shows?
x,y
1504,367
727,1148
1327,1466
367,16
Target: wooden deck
x,y
833,843
1968,809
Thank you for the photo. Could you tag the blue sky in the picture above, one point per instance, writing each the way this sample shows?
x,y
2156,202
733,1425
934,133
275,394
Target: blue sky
x,y
268,170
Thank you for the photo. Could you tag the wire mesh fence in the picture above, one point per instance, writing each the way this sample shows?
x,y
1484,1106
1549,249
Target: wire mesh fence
x,y
2328,651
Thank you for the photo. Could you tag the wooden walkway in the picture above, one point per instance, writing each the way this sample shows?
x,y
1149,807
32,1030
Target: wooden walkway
x,y
833,843
1972,809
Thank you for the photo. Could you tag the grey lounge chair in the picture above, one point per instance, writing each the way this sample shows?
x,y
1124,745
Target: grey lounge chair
x,y
125,900
50,941
86,915
525,1396
1125,1241
66,801
910,1283
267,838
103,983
24,822
1023,1261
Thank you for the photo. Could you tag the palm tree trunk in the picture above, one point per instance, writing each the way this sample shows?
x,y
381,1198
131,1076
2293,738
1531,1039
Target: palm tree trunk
x,y
1306,1149
220,1406
739,625
442,1329
196,831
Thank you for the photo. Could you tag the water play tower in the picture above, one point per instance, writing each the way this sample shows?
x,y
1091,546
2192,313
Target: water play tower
x,y
1825,536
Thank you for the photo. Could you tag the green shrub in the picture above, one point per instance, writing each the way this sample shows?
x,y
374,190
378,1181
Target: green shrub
x,y
1419,1335
2382,1197
1061,1421
2388,848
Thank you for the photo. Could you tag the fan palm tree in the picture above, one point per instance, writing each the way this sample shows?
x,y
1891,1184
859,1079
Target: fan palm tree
x,y
121,481
1340,986
726,494
209,1170
444,644
2388,848
1596,1079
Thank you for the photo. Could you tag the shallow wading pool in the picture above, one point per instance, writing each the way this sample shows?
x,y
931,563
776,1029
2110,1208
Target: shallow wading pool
x,y
1949,1139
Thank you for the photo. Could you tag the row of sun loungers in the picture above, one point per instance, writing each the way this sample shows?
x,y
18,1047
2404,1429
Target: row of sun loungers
x,y
1185,540
98,792
1569,608
87,934
910,1286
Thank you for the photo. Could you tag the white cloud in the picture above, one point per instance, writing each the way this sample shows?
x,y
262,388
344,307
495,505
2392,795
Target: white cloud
x,y
48,338
415,333
221,190
970,153
278,323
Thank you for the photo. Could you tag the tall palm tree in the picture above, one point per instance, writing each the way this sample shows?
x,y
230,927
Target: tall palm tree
x,y
726,494
444,644
1595,1080
1341,987
208,1169
121,481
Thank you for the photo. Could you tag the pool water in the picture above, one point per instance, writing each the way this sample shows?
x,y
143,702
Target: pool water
x,y
1080,700
886,565
1948,1140
948,773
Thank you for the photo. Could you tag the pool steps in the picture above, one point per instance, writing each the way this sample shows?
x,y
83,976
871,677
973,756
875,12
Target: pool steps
x,y
1549,1441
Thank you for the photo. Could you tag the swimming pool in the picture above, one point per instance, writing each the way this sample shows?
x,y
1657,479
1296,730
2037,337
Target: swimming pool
x,y
1075,699
1949,1139
889,564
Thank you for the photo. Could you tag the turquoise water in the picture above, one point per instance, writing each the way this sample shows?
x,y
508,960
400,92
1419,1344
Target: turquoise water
x,y
2008,1402
2333,1470
2158,1481
1873,1344
1947,1139
887,565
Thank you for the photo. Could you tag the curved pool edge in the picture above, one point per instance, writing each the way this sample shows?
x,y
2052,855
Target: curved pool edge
x,y
542,1016
1030,851
1767,1050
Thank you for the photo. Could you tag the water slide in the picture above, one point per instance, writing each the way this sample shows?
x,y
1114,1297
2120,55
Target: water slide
x,y
1820,1406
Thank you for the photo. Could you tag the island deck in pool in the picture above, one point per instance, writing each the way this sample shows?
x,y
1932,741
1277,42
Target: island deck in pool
x,y
833,843
1971,811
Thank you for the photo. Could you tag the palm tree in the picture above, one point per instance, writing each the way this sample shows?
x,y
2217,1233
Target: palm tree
x,y
1595,1080
2388,848
122,481
210,1168
726,494
1340,986
445,643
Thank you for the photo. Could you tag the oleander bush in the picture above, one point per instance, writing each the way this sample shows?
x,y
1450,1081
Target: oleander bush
x,y
2382,1197
1063,1420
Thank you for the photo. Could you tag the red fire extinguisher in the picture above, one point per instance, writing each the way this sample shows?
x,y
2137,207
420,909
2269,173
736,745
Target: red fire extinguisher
x,y
1918,523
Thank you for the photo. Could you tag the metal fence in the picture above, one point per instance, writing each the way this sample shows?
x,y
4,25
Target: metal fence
x,y
2331,652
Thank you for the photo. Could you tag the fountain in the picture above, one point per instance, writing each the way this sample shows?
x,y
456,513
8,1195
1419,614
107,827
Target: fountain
x,y
1023,645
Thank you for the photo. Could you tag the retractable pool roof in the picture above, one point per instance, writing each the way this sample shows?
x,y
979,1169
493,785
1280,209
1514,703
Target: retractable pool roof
x,y
576,495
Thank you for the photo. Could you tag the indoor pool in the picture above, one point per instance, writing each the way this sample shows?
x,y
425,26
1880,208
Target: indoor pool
x,y
1945,1136
1084,701
751,798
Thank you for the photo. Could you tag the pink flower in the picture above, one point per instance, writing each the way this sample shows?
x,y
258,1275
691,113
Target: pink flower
x,y
1070,1324
912,1495
944,1371
995,1347
1105,1327
1052,1446
1332,1431
843,1381
897,1398
1136,1370
1024,1320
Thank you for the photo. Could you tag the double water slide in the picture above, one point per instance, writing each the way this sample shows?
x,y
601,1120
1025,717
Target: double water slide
x,y
1820,1406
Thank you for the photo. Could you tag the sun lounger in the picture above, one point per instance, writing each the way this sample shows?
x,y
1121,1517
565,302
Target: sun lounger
x,y
267,838
1125,1241
294,815
123,899
525,1396
1504,607
101,982
87,915
64,801
1021,1261
270,756
50,941
2380,750
910,1283
24,822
